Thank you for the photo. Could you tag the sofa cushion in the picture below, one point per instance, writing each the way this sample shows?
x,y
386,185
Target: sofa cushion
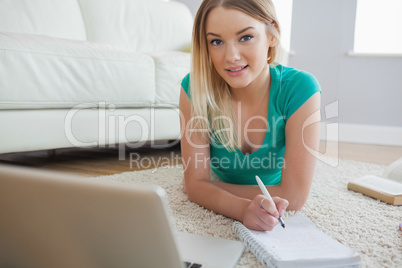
x,y
139,25
171,67
44,72
57,18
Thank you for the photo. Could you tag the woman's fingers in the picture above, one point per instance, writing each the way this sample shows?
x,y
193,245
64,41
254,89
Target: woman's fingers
x,y
266,221
262,213
257,216
281,205
268,205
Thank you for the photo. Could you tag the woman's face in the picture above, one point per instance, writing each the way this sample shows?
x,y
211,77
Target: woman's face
x,y
238,46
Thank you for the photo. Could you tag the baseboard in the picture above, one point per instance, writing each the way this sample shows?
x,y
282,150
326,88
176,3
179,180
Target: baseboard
x,y
367,134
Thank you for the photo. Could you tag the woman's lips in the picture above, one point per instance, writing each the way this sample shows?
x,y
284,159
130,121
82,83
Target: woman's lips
x,y
237,70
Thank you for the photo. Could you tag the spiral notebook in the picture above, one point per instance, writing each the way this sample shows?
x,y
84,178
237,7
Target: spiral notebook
x,y
300,244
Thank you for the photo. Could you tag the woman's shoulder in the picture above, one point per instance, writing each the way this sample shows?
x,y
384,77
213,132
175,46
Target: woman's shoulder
x,y
186,80
293,79
294,88
185,84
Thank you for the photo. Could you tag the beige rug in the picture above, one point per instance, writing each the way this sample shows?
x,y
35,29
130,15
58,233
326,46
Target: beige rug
x,y
357,221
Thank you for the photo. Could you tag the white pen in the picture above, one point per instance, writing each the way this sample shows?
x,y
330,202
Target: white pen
x,y
266,194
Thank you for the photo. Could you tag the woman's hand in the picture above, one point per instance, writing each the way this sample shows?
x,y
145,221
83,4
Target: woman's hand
x,y
262,213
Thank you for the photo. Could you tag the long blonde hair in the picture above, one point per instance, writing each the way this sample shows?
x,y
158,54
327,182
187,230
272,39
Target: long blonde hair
x,y
210,95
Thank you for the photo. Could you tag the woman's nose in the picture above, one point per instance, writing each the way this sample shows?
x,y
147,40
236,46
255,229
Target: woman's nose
x,y
232,54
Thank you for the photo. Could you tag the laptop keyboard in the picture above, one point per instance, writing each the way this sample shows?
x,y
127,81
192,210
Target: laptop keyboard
x,y
192,265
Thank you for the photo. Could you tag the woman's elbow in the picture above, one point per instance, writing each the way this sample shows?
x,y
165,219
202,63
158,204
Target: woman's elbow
x,y
189,189
296,206
297,203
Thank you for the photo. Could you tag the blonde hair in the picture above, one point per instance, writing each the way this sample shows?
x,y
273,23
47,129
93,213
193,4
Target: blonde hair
x,y
210,95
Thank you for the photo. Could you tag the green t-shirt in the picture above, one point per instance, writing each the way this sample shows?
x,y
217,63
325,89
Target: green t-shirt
x,y
290,88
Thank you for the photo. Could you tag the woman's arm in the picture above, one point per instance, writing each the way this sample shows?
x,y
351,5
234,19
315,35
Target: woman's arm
x,y
299,163
200,189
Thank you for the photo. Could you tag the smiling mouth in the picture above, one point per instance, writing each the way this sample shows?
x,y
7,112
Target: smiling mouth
x,y
237,69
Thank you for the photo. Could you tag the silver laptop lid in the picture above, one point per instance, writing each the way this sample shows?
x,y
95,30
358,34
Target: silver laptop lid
x,y
55,220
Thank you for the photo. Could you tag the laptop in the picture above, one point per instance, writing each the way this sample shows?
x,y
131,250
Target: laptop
x,y
50,219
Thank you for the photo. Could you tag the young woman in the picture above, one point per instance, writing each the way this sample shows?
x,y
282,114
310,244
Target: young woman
x,y
244,115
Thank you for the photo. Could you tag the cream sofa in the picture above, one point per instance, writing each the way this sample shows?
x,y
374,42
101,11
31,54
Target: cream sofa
x,y
84,73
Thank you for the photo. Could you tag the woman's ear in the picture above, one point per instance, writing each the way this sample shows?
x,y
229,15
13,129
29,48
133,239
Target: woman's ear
x,y
273,41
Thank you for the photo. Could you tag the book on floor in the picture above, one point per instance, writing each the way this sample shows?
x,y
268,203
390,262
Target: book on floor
x,y
300,244
387,187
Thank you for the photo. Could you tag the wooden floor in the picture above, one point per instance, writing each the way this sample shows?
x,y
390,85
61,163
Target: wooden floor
x,y
107,161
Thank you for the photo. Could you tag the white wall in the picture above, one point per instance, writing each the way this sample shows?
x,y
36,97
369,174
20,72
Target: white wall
x,y
193,5
368,89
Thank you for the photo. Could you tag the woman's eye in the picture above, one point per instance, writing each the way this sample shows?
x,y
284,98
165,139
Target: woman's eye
x,y
216,42
246,38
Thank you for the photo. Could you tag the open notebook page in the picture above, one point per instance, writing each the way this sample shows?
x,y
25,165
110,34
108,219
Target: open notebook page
x,y
302,240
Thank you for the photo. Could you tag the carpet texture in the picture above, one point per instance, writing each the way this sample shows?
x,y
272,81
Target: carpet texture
x,y
355,220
